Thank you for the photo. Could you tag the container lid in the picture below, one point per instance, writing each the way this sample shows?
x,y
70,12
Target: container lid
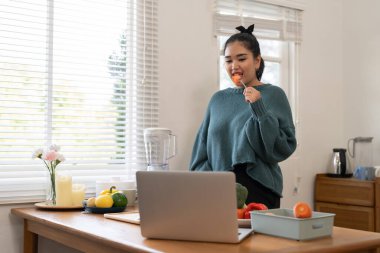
x,y
363,139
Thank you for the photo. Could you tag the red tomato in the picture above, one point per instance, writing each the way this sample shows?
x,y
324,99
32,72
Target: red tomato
x,y
302,210
240,213
247,215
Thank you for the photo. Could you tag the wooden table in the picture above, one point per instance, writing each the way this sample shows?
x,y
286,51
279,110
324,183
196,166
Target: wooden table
x,y
93,233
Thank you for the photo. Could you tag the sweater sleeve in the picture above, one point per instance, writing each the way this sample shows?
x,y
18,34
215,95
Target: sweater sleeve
x,y
199,157
272,135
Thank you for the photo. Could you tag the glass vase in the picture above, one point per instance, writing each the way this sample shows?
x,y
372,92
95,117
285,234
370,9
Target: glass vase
x,y
51,192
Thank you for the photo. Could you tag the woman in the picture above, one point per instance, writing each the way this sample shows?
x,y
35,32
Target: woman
x,y
247,129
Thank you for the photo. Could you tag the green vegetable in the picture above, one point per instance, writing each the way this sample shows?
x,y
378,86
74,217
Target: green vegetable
x,y
241,195
119,200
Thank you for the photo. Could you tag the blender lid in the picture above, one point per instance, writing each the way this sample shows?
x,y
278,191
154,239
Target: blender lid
x,y
153,130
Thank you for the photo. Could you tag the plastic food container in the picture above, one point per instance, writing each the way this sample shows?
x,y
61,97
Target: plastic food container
x,y
282,223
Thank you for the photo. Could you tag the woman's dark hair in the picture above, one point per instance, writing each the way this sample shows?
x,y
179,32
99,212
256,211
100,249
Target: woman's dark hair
x,y
250,42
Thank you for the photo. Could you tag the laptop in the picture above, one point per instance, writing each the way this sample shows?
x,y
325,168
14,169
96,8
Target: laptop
x,y
192,206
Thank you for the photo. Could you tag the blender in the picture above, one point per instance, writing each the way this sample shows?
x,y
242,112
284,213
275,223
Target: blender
x,y
160,146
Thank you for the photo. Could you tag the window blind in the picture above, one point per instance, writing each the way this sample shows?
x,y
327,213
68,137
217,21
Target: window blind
x,y
271,21
81,75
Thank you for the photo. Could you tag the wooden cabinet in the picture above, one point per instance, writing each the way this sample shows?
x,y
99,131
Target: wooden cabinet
x,y
356,203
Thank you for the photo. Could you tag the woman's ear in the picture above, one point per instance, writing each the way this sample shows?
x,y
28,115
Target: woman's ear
x,y
257,62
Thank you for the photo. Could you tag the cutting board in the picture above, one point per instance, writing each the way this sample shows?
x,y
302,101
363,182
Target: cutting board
x,y
130,217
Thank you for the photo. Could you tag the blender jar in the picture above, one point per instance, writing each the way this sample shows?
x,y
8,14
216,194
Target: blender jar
x,y
160,145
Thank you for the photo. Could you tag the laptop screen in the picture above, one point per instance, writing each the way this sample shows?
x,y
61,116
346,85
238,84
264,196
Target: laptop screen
x,y
182,205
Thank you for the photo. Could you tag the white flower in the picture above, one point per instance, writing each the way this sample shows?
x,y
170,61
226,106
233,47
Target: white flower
x,y
60,157
54,147
50,157
37,153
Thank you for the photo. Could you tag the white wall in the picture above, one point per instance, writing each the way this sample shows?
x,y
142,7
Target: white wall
x,y
188,70
321,100
11,231
336,69
361,64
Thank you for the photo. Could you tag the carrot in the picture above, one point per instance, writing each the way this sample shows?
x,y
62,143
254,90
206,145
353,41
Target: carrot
x,y
302,210
236,78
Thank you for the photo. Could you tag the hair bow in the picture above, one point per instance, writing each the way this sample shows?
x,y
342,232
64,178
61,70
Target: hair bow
x,y
248,30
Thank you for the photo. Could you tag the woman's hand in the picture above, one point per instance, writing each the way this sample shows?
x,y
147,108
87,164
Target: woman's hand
x,y
251,94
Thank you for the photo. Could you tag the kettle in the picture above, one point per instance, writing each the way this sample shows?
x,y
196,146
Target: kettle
x,y
339,166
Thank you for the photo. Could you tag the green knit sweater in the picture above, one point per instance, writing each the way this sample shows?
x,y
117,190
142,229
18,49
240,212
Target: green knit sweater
x,y
260,134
